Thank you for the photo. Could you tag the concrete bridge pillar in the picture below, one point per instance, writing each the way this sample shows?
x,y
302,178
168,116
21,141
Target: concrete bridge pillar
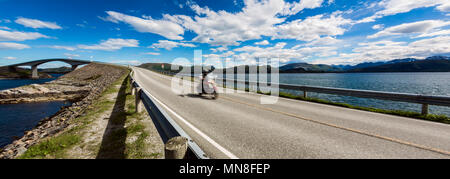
x,y
74,67
12,69
34,72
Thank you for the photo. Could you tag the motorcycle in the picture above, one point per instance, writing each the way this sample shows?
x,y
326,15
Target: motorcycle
x,y
208,86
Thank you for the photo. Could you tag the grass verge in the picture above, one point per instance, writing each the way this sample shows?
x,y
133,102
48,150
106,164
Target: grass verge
x,y
51,147
134,132
55,147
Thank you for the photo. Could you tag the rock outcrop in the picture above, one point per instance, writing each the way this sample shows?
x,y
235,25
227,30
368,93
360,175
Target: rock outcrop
x,y
60,89
83,85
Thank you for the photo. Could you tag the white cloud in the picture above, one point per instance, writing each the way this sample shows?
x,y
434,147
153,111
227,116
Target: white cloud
x,y
312,28
69,55
435,33
409,28
127,62
392,7
430,46
10,58
216,56
5,21
444,7
112,44
19,36
264,42
163,27
320,53
378,26
248,49
152,53
324,41
34,23
283,54
6,28
235,2
401,6
295,7
368,19
219,49
10,45
257,18
389,50
63,47
168,45
83,24
382,43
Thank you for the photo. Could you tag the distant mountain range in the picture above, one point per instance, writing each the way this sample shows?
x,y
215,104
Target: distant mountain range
x,y
372,64
56,70
430,64
414,66
306,67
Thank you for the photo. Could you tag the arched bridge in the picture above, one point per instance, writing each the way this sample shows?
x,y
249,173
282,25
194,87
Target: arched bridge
x,y
35,64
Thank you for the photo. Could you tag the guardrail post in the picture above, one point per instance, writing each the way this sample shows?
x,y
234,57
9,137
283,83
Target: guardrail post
x,y
133,88
176,148
305,94
131,79
138,99
424,109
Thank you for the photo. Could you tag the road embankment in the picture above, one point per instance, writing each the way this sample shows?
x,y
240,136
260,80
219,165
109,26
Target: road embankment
x,y
82,86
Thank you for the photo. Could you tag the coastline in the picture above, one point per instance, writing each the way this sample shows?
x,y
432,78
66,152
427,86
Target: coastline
x,y
110,128
81,86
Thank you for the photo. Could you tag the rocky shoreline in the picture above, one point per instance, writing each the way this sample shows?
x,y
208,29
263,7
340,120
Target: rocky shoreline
x,y
52,91
81,86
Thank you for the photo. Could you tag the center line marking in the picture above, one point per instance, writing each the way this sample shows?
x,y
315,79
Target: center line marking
x,y
345,128
199,132
423,147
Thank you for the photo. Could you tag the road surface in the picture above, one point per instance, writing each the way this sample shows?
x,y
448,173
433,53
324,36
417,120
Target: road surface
x,y
238,126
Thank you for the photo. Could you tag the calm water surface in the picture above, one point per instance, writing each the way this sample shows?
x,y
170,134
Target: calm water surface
x,y
14,83
15,119
435,83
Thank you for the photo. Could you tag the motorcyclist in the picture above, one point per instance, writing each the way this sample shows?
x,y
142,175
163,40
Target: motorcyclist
x,y
205,78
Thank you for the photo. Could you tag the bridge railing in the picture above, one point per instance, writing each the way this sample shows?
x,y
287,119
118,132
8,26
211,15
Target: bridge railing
x,y
424,100
178,144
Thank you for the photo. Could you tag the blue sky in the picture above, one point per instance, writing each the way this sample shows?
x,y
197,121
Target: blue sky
x,y
134,32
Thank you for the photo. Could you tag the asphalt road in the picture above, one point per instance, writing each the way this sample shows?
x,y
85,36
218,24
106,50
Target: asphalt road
x,y
238,126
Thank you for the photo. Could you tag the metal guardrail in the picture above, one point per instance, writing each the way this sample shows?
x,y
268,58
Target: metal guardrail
x,y
166,126
425,100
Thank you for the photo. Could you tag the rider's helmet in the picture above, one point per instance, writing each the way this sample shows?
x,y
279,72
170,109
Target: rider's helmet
x,y
208,69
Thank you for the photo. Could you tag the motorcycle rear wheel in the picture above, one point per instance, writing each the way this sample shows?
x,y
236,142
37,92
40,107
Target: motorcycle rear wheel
x,y
215,95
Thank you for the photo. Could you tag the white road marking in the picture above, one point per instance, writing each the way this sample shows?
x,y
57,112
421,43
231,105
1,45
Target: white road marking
x,y
214,143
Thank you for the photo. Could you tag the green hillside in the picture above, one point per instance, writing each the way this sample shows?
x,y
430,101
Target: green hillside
x,y
415,66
